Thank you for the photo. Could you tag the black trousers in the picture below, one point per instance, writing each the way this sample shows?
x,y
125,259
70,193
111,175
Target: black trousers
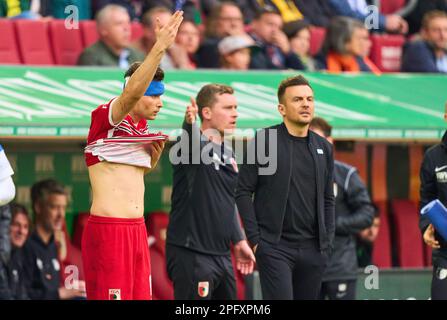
x,y
338,290
439,284
288,272
198,276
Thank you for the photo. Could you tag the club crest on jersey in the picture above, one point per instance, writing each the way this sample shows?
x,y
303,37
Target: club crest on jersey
x,y
114,294
203,289
441,176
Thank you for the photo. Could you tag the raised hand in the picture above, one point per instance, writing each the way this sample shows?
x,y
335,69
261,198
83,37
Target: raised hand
x,y
191,111
166,35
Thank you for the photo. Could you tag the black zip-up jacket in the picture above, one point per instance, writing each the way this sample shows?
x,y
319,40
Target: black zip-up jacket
x,y
263,214
353,213
203,215
434,186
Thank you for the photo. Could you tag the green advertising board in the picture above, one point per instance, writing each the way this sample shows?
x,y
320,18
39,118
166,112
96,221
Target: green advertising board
x,y
56,102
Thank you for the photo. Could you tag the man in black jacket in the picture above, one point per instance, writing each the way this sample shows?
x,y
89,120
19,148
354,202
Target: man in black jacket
x,y
274,50
204,220
434,186
290,220
353,213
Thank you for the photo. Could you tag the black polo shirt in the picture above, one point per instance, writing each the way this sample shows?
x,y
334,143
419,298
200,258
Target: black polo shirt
x,y
42,268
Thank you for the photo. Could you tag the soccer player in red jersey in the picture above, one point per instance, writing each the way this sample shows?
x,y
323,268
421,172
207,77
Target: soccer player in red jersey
x,y
114,245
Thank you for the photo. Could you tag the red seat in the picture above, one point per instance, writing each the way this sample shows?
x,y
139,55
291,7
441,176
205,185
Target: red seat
x,y
66,43
381,255
410,251
391,6
9,52
157,224
386,51
317,36
89,33
80,223
427,256
137,31
34,43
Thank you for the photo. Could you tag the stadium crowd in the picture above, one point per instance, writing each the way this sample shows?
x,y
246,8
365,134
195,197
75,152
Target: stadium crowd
x,y
245,35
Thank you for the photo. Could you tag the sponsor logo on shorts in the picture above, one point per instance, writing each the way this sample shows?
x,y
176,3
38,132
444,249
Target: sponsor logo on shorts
x,y
114,294
203,289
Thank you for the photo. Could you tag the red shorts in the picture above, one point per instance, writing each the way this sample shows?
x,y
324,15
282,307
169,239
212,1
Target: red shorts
x,y
116,260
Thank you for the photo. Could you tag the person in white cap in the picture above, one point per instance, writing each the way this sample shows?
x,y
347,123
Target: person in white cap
x,y
235,52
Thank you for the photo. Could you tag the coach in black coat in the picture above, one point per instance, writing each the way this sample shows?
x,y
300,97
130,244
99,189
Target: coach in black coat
x,y
290,220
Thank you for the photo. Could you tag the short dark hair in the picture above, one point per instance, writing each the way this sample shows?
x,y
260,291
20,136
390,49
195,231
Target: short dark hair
x,y
298,80
323,125
207,95
214,15
43,188
267,9
159,74
16,209
429,16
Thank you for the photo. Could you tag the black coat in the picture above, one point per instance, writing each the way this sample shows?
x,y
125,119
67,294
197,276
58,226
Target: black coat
x,y
434,186
263,215
353,213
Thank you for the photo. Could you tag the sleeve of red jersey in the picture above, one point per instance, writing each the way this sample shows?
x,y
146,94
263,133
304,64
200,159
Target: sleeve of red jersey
x,y
102,121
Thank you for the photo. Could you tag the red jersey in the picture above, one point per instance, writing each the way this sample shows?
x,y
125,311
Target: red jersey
x,y
105,139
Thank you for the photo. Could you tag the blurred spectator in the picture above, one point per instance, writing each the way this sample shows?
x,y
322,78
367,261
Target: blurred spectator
x,y
365,241
134,7
414,18
189,8
275,51
346,47
182,54
112,48
225,20
316,12
248,7
235,52
430,53
183,51
353,212
298,33
42,275
19,9
357,9
145,43
18,233
286,8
